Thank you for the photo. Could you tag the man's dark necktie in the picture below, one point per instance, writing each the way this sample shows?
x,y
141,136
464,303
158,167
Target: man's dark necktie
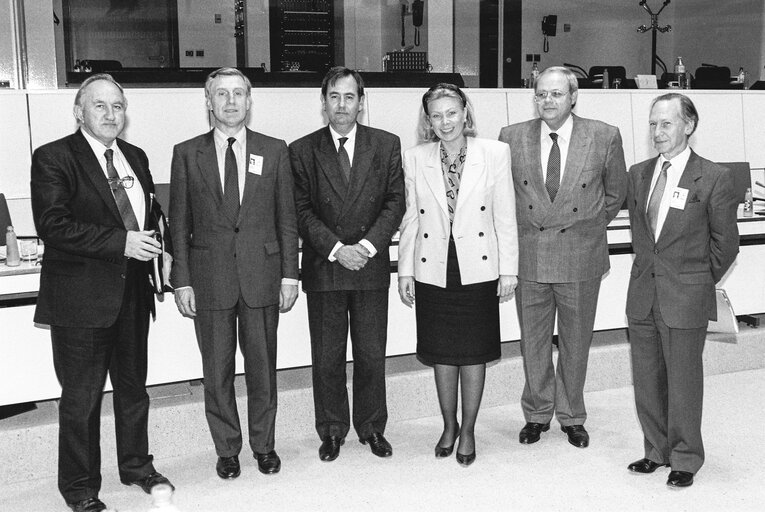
x,y
231,182
120,195
655,201
552,182
345,161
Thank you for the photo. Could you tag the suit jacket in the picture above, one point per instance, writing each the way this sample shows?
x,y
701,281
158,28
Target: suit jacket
x,y
83,273
565,241
222,257
330,210
484,230
696,245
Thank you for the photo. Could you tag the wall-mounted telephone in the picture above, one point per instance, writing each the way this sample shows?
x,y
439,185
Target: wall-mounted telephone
x,y
549,28
418,6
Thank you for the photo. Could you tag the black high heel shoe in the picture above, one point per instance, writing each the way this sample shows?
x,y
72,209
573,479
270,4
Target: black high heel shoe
x,y
445,451
467,459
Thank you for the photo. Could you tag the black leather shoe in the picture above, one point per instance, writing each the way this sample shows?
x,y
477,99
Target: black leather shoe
x,y
269,463
644,466
87,505
680,479
444,451
531,431
330,448
577,435
379,445
149,481
228,467
466,460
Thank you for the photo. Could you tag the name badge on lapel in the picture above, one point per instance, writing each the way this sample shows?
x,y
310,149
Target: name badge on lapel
x,y
255,165
679,196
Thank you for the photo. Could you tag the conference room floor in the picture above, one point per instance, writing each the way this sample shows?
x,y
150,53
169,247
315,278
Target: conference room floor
x,y
548,476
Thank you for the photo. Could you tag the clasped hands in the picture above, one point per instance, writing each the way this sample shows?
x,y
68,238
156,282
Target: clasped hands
x,y
352,257
505,288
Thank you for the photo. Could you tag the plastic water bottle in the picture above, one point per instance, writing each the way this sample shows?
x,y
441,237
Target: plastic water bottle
x,y
12,258
534,75
748,203
606,79
162,499
680,74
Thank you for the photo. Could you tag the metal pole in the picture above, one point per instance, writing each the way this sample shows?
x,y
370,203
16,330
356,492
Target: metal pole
x,y
20,57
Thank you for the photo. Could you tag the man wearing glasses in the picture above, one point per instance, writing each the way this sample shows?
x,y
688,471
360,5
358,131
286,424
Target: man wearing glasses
x,y
91,194
570,181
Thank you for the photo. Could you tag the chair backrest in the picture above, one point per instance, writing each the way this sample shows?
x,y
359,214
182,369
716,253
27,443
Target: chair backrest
x,y
742,178
5,218
613,71
712,77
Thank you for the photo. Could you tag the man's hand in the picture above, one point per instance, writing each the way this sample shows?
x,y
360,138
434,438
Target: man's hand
x,y
141,245
287,297
352,257
184,299
506,287
406,290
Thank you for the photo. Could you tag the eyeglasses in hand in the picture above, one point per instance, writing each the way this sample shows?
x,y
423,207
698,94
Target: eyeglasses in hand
x,y
116,183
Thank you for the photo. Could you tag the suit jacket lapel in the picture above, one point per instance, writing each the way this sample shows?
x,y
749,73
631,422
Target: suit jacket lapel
x,y
472,172
143,178
578,148
434,177
643,191
535,175
254,147
363,154
326,156
674,223
94,172
207,163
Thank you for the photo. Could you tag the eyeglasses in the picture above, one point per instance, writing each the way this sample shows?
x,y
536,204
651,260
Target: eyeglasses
x,y
543,95
116,183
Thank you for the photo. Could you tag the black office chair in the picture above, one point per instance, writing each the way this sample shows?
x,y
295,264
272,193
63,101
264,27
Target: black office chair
x,y
5,219
712,77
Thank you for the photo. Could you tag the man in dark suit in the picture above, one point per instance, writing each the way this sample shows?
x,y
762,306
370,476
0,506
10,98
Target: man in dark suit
x,y
570,181
91,194
684,233
349,194
232,212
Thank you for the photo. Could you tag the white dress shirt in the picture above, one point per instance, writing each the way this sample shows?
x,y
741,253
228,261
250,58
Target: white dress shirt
x,y
546,144
674,172
350,146
135,193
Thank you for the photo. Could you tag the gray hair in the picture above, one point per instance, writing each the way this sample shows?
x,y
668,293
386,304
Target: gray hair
x,y
688,112
226,72
94,78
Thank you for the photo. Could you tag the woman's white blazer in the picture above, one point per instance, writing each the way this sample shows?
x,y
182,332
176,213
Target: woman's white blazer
x,y
484,230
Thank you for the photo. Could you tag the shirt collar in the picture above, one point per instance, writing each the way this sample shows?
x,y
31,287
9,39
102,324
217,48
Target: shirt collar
x,y
351,135
97,146
221,139
678,162
564,132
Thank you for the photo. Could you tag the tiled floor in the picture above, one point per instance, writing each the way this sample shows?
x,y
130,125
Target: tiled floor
x,y
548,476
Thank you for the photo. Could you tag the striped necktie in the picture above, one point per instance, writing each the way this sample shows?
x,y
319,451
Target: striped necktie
x,y
552,182
655,201
120,195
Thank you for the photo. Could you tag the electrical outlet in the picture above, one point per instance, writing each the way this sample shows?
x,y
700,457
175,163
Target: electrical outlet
x,y
200,53
189,53
567,27
528,57
536,57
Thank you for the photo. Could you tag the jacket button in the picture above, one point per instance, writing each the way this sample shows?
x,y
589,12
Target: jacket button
x,y
422,211
363,228
531,207
484,257
576,210
652,274
563,230
525,182
584,185
236,230
542,228
483,208
424,260
425,235
480,233
122,276
656,251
